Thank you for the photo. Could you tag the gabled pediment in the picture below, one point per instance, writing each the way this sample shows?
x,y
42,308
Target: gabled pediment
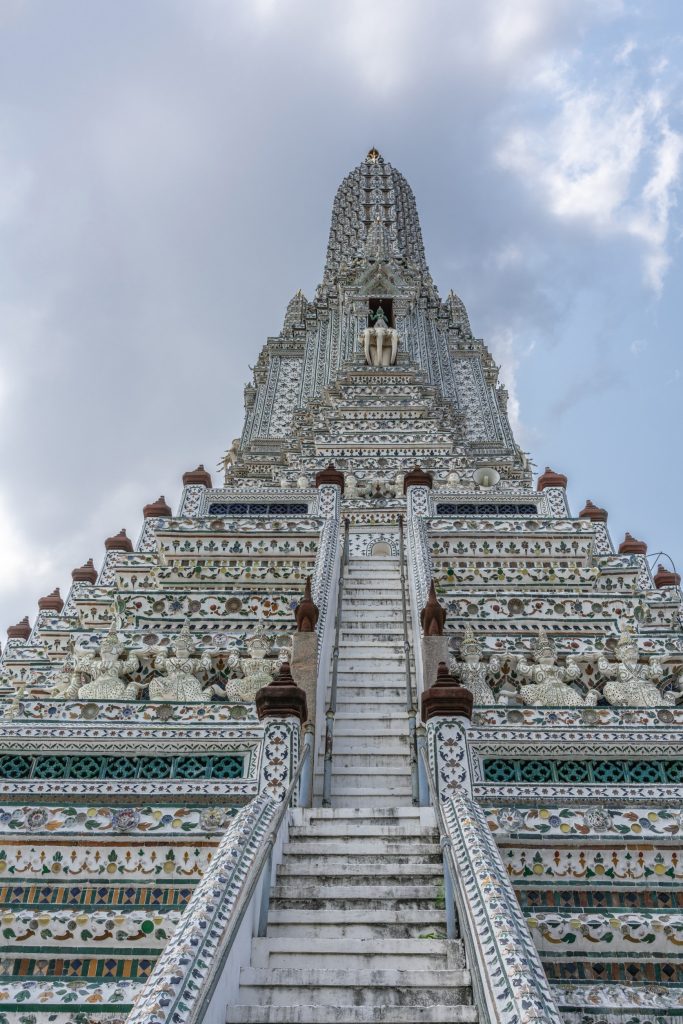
x,y
379,279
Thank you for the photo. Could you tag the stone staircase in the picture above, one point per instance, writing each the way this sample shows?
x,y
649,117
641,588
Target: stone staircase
x,y
371,754
356,923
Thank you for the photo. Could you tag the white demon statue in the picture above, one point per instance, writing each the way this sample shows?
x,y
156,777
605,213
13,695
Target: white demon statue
x,y
550,681
472,671
106,668
630,684
252,672
179,674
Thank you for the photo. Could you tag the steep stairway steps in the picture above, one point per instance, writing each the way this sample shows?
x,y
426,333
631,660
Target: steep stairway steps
x,y
356,926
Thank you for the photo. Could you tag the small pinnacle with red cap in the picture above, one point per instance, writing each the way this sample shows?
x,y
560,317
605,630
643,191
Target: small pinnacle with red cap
x,y
52,603
446,698
196,476
330,476
120,542
21,631
282,698
666,578
417,477
86,573
551,479
593,512
631,546
157,509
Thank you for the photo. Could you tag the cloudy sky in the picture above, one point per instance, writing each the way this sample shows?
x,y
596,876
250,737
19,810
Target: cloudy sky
x,y
167,169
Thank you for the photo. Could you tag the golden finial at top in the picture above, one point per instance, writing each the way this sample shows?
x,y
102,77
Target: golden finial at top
x,y
373,155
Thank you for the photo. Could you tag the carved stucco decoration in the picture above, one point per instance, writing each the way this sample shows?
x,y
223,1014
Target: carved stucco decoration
x,y
472,671
177,677
107,669
550,681
631,684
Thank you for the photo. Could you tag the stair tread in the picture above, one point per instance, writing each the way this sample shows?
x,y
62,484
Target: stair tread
x,y
337,978
303,1013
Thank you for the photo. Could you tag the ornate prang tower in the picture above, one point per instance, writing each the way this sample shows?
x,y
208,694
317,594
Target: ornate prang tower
x,y
376,730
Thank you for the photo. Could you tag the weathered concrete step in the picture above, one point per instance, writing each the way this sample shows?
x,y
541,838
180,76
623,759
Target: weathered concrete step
x,y
319,830
299,889
371,705
386,774
364,563
281,986
363,680
356,665
302,1013
371,604
368,628
330,904
355,780
365,626
388,811
356,659
343,785
380,744
385,671
348,636
416,954
362,728
388,609
360,923
378,572
372,592
350,840
359,696
368,849
347,871
367,798
352,761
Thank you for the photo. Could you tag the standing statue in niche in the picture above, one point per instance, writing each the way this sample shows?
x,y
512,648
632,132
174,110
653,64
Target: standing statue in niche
x,y
380,341
550,681
252,672
67,680
178,677
472,671
106,669
633,685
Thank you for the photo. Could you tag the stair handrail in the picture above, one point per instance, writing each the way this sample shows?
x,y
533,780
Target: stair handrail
x,y
411,707
509,984
183,983
332,706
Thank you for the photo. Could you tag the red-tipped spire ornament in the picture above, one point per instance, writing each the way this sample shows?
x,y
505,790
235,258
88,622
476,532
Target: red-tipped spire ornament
x,y
120,542
198,476
52,602
551,479
631,546
86,573
21,631
157,509
446,697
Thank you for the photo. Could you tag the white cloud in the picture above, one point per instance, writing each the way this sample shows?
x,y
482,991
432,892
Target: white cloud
x,y
609,159
625,51
15,185
508,349
20,560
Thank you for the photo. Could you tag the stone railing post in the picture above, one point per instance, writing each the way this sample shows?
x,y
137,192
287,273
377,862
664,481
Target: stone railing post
x,y
447,713
281,706
418,563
